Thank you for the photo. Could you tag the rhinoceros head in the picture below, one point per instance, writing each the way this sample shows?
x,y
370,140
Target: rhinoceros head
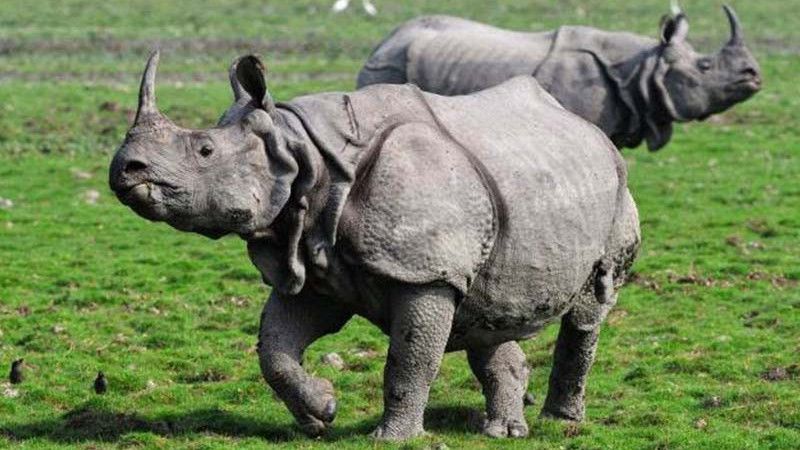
x,y
695,86
233,178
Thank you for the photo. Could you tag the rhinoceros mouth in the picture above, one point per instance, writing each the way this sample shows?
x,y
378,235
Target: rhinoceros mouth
x,y
746,84
144,189
146,198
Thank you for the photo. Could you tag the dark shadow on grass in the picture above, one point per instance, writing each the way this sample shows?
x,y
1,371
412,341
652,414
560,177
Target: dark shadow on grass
x,y
455,419
90,423
94,423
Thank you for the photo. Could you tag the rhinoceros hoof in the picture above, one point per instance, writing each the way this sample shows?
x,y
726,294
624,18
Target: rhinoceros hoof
x,y
562,414
317,407
505,428
384,433
317,425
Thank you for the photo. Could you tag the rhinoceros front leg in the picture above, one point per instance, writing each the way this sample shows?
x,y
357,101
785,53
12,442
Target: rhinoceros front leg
x,y
288,327
503,373
421,318
572,360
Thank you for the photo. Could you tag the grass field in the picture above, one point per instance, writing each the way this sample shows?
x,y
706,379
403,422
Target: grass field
x,y
702,351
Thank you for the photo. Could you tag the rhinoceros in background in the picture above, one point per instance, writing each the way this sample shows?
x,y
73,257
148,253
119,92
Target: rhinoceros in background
x,y
452,223
632,87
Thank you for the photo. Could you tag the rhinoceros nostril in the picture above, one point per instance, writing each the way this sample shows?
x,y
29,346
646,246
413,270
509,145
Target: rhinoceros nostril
x,y
750,72
134,166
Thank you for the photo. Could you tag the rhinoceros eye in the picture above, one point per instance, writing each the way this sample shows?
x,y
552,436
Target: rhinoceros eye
x,y
206,151
704,65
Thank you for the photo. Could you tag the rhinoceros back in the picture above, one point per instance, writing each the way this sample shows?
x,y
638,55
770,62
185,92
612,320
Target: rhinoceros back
x,y
470,58
453,56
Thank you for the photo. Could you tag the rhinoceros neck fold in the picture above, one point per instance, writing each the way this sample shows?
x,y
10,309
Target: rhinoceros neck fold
x,y
628,64
340,151
637,86
327,153
346,133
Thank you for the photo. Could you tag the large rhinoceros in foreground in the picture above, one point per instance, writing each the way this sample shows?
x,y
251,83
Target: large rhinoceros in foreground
x,y
632,87
452,223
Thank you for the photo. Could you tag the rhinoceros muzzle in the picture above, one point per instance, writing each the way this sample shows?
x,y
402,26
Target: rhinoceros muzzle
x,y
751,84
140,193
146,199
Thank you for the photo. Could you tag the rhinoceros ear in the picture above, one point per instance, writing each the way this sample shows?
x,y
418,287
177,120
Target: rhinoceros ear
x,y
250,78
674,30
238,91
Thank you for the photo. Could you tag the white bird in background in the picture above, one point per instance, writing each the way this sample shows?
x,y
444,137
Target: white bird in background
x,y
675,7
341,5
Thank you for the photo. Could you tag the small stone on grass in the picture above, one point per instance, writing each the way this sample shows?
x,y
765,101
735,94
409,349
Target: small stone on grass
x,y
778,374
365,353
91,196
80,174
712,402
333,360
9,391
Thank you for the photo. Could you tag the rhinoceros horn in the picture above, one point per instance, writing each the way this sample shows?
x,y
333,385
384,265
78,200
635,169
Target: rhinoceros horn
x,y
736,28
148,111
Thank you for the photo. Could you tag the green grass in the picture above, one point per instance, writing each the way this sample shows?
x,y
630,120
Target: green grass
x,y
171,318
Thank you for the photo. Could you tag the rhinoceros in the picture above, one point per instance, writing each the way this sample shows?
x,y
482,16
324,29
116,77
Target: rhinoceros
x,y
632,87
451,223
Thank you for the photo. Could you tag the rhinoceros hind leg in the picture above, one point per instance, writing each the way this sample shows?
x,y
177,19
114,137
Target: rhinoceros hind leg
x,y
288,326
503,373
420,327
572,360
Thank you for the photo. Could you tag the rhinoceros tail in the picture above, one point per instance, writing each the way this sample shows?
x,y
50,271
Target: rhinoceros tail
x,y
388,63
611,271
622,245
622,248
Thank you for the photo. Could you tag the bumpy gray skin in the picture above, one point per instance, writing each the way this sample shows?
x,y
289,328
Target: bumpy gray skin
x,y
452,223
632,87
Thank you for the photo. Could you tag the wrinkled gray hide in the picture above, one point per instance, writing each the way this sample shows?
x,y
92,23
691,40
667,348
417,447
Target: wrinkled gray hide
x,y
632,87
452,223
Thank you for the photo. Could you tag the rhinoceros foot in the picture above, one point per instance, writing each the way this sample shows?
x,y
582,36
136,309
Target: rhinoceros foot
x,y
385,433
506,427
572,413
315,407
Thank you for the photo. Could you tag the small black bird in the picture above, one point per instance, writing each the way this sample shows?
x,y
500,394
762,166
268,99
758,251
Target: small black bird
x,y
16,377
100,384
